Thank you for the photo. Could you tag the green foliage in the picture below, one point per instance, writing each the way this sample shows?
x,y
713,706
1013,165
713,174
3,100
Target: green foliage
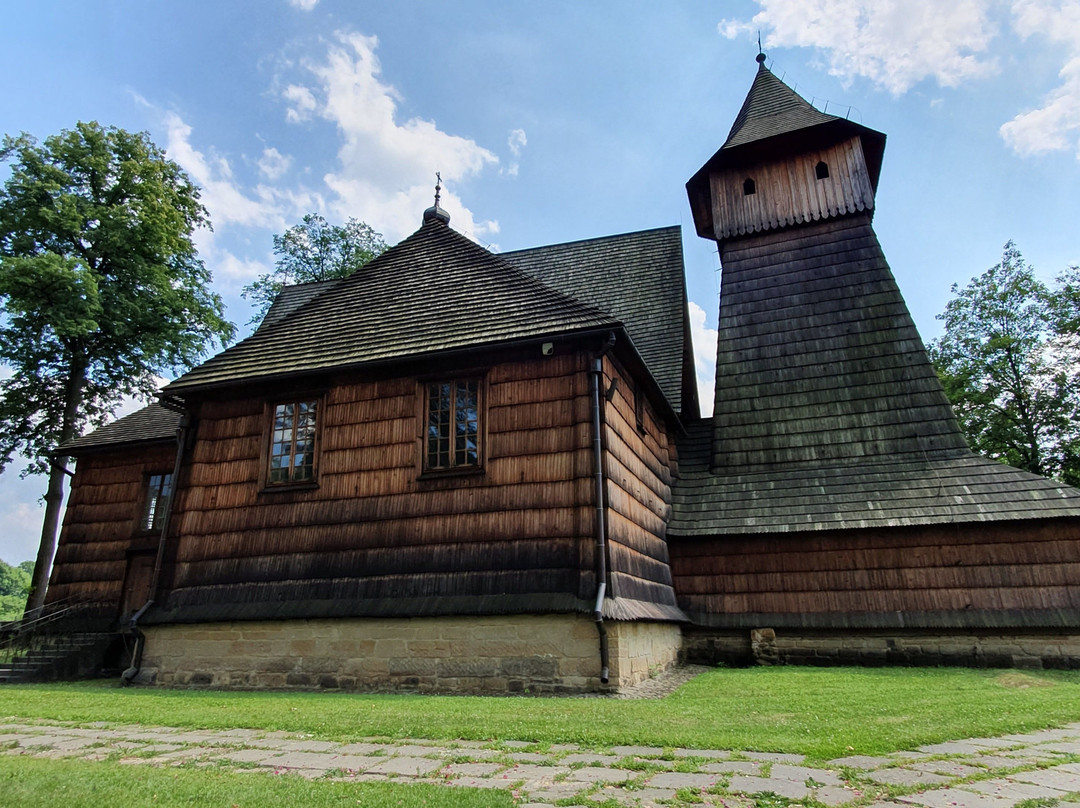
x,y
823,713
14,588
39,783
1010,364
101,288
314,250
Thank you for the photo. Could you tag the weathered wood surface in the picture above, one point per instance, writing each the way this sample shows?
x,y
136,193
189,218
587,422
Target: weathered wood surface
x,y
638,494
789,192
373,530
845,577
819,359
101,524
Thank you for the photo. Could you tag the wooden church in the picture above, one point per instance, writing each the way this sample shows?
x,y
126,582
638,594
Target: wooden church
x,y
458,470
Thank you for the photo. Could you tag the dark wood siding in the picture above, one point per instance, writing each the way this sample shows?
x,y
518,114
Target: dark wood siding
x,y
377,538
1005,573
638,473
101,522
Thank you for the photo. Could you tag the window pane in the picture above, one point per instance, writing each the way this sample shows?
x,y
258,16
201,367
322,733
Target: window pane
x,y
158,489
292,446
453,415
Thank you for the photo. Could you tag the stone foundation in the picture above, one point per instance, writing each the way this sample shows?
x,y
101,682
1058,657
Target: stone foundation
x,y
501,654
641,650
965,648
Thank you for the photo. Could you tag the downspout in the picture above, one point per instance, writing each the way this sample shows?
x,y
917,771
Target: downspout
x,y
601,528
133,626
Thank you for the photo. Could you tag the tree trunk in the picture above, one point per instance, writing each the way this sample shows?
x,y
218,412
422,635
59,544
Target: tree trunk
x,y
54,497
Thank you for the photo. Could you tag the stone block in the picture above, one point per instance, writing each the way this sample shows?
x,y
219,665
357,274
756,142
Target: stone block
x,y
763,646
543,668
412,667
457,668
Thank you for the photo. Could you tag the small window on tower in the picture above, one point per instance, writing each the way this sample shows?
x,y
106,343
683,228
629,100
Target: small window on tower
x,y
821,170
748,187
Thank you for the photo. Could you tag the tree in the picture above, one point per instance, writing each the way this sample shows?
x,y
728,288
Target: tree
x,y
314,250
1010,364
14,587
101,291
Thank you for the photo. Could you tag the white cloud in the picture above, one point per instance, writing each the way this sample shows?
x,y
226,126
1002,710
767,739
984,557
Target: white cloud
x,y
894,43
221,194
387,167
1056,124
517,141
273,163
233,268
304,5
704,341
303,103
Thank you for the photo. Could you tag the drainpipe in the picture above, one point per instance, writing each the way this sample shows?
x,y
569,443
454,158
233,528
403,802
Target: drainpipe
x,y
601,530
133,626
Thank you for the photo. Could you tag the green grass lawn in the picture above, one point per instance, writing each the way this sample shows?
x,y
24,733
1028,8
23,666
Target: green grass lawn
x,y
36,783
823,713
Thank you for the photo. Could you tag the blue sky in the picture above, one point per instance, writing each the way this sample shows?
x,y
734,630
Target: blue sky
x,y
559,121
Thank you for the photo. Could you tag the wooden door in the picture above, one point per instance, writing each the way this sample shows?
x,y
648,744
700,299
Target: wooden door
x,y
137,581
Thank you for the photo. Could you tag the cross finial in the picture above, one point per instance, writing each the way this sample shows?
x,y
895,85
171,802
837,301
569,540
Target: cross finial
x,y
435,213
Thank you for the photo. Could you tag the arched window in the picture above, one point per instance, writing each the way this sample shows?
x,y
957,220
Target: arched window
x,y
748,187
821,170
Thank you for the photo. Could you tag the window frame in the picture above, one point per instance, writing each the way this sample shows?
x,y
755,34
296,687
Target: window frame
x,y
268,442
425,385
153,506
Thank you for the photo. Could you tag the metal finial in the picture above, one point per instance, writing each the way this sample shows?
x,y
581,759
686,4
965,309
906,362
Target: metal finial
x,y
436,213
760,53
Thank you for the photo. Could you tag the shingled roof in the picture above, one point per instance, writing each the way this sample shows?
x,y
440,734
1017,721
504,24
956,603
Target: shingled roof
x,y
772,108
292,297
435,291
637,278
150,424
854,493
828,413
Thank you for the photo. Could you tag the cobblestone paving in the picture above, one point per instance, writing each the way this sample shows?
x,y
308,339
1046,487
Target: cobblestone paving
x,y
974,773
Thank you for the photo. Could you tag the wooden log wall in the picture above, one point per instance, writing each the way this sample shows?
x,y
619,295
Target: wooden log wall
x,y
376,538
638,476
101,523
958,576
789,191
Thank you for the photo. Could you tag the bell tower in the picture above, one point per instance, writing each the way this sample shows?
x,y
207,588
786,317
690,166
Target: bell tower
x,y
818,361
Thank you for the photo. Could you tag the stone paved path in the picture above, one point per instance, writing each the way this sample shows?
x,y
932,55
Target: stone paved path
x,y
973,773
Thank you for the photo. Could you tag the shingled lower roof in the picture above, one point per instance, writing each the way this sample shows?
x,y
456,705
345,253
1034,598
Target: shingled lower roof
x,y
150,424
434,292
637,278
955,488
